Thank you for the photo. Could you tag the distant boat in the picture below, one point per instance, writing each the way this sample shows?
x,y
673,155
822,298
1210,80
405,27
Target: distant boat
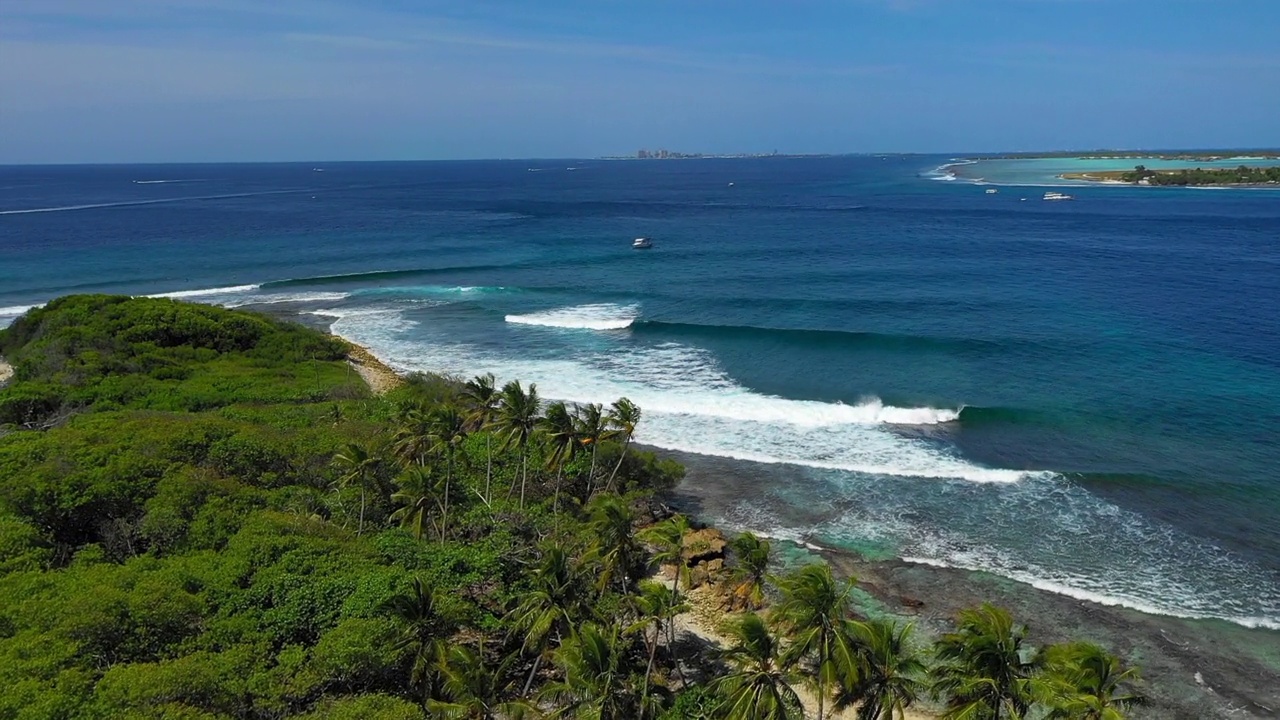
x,y
730,184
1057,196
992,191
641,244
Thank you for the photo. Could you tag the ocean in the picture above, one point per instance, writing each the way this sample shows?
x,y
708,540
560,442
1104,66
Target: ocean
x,y
1083,395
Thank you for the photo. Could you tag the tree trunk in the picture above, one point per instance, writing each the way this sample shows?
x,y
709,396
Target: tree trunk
x,y
671,630
559,479
591,474
448,478
616,468
529,683
488,468
821,694
653,651
360,528
524,476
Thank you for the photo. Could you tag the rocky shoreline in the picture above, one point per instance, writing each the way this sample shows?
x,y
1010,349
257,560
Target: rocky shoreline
x,y
1192,669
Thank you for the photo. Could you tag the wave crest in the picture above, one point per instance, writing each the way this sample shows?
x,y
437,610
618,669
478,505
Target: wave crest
x,y
601,316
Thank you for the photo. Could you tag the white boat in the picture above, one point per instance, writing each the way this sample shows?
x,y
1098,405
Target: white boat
x,y
1057,196
641,244
992,191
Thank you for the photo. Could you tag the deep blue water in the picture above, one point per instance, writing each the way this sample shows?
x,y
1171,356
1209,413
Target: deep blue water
x,y
1084,395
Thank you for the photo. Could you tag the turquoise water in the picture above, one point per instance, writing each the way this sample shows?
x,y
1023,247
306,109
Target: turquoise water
x,y
1039,172
1080,395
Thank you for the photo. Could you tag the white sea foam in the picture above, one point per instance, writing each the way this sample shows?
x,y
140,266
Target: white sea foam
x,y
603,316
13,312
1086,547
692,406
275,298
166,182
204,292
16,310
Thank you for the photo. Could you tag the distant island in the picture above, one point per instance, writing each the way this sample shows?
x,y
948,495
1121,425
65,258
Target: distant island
x,y
1184,177
1188,155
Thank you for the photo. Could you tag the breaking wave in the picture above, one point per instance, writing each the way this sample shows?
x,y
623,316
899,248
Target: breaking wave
x,y
602,316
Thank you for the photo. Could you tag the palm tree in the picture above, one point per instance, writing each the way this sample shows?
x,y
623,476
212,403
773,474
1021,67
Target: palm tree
x,y
1088,683
473,688
596,683
981,670
411,442
448,430
668,536
356,467
751,567
812,613
424,624
655,606
517,418
482,409
759,686
562,436
610,521
886,679
592,429
549,610
623,417
418,497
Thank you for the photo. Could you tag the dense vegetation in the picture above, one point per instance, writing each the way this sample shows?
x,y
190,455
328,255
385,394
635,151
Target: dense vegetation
x,y
1243,175
204,514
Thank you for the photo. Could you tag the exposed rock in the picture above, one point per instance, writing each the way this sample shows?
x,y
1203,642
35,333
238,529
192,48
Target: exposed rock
x,y
703,545
910,602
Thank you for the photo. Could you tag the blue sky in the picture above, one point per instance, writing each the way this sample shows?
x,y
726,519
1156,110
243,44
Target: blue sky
x,y
242,80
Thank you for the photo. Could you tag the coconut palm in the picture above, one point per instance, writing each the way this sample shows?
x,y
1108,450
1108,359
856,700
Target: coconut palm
x,y
596,682
357,467
424,625
610,522
546,613
517,419
668,537
448,431
472,687
750,569
623,417
981,672
592,430
418,498
482,409
411,442
886,678
1085,682
562,436
812,614
655,605
760,685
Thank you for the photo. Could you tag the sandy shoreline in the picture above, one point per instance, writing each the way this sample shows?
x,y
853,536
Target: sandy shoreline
x,y
380,378
1192,669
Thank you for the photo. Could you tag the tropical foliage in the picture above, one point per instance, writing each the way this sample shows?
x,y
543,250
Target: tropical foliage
x,y
205,514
